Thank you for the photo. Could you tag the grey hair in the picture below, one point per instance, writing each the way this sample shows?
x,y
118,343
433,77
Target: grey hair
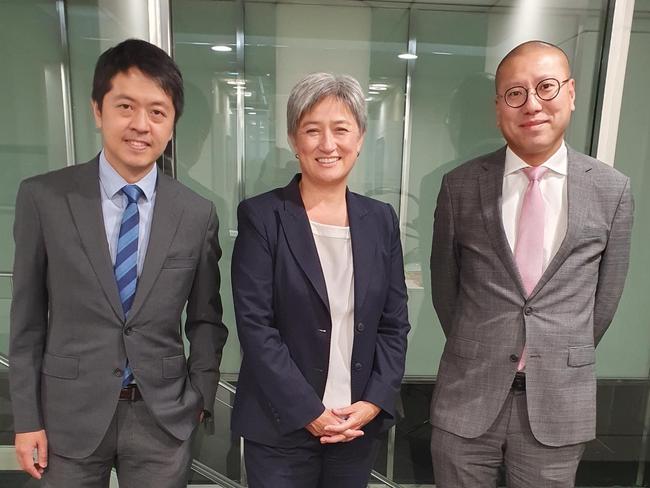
x,y
315,87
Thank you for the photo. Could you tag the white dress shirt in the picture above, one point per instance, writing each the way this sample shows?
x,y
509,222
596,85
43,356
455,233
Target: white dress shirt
x,y
553,186
334,248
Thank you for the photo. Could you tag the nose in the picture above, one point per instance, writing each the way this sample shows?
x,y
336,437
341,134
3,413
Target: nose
x,y
139,120
533,104
327,143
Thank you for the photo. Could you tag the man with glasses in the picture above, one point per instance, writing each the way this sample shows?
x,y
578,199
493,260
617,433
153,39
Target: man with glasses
x,y
530,253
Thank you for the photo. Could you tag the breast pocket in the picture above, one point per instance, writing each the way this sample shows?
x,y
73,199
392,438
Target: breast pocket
x,y
594,233
180,263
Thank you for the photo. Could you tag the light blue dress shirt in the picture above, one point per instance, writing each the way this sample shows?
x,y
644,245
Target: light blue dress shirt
x,y
114,202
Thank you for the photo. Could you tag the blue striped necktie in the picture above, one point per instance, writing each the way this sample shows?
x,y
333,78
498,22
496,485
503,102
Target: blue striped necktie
x,y
126,260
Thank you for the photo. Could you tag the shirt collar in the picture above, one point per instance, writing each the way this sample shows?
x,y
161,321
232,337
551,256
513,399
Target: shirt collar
x,y
557,163
113,182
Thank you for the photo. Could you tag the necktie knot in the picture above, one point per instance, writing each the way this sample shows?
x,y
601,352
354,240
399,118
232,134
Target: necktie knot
x,y
132,192
535,173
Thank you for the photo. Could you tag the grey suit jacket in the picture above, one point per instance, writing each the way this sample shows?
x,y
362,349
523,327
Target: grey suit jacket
x,y
480,301
69,341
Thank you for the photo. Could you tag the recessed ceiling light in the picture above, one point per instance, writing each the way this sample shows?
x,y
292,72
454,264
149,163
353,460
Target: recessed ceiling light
x,y
221,49
407,56
373,93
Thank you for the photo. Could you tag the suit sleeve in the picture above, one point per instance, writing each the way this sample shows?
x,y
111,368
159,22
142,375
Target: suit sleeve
x,y
277,376
204,328
390,349
29,312
444,260
613,264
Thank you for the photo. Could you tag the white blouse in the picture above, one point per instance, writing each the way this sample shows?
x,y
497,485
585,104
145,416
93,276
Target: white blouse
x,y
334,248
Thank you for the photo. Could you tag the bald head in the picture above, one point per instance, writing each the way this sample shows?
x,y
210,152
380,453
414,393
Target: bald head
x,y
532,49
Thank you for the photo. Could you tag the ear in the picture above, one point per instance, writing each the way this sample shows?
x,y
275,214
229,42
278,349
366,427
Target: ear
x,y
572,93
497,112
97,113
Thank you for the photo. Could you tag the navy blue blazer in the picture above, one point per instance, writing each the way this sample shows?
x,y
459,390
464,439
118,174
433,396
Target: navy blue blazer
x,y
283,318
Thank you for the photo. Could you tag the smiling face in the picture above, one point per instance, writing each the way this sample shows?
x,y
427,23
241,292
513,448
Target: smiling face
x,y
535,130
327,143
136,120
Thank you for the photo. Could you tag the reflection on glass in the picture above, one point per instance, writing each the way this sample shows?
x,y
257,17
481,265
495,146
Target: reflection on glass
x,y
32,136
629,336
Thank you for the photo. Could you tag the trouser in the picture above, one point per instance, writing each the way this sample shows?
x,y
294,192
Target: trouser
x,y
143,454
311,465
474,463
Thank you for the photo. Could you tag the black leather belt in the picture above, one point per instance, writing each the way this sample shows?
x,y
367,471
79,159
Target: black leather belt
x,y
130,393
519,383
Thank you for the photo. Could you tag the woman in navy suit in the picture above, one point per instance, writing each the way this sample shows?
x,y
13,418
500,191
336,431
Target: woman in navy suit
x,y
320,302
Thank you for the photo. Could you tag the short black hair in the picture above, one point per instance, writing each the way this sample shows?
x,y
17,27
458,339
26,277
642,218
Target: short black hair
x,y
150,59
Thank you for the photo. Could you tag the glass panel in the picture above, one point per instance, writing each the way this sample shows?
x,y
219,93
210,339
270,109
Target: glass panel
x,y
453,117
206,135
5,305
32,137
630,333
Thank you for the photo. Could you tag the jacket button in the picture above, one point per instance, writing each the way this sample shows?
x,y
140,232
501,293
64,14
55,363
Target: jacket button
x,y
117,372
128,331
360,327
514,358
528,311
357,366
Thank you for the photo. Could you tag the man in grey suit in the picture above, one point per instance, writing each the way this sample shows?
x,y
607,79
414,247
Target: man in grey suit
x,y
108,255
529,257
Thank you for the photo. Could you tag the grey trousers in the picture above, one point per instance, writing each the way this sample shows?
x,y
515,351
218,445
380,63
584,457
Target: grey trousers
x,y
474,463
143,454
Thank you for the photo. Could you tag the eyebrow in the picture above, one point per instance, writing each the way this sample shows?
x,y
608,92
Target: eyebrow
x,y
338,121
123,96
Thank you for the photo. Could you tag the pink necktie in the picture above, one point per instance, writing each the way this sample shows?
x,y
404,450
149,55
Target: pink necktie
x,y
529,246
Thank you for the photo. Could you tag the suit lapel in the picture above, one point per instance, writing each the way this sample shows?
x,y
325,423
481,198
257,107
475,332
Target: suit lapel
x,y
491,189
300,238
167,214
580,193
364,244
86,208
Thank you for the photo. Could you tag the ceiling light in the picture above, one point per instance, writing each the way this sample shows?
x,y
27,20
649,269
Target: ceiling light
x,y
407,56
221,49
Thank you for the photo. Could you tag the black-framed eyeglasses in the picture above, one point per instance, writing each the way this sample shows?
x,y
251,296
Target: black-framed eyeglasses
x,y
546,90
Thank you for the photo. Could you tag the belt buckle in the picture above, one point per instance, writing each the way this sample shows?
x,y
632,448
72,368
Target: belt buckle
x,y
129,393
519,381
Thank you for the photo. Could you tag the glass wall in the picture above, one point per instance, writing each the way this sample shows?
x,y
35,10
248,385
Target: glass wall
x,y
32,135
